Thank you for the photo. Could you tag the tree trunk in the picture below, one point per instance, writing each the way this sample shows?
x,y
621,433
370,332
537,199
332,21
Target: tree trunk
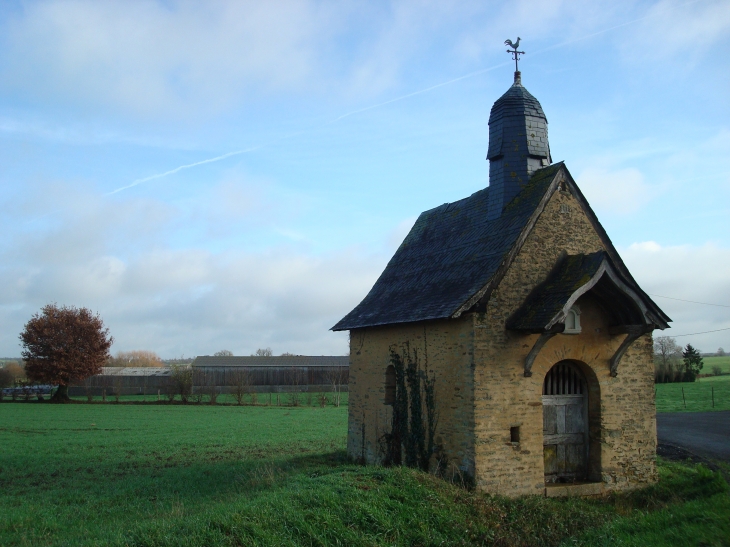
x,y
61,395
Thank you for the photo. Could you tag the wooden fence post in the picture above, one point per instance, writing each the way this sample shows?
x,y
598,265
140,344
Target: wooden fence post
x,y
683,399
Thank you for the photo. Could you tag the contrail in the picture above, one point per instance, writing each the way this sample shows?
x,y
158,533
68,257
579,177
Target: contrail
x,y
188,166
237,152
470,75
402,97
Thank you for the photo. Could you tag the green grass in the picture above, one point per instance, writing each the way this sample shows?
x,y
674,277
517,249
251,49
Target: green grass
x,y
722,362
184,475
262,399
697,395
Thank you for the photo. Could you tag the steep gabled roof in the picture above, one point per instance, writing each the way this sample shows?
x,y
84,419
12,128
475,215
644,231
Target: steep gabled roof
x,y
453,256
449,255
572,277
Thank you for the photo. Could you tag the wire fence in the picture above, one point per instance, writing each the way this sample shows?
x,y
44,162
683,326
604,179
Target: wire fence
x,y
707,395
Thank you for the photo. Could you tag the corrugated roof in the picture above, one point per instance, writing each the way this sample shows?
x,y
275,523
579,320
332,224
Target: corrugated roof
x,y
273,361
449,255
136,371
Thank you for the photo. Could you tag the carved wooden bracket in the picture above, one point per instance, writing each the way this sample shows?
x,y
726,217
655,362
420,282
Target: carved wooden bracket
x,y
539,343
633,332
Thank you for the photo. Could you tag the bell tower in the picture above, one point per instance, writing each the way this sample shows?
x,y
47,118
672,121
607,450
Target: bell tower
x,y
518,143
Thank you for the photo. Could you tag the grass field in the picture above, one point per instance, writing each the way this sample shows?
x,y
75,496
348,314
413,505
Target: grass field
x,y
262,399
697,395
722,362
176,475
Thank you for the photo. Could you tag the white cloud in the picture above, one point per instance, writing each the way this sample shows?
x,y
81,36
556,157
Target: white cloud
x,y
149,57
190,59
122,257
622,191
686,272
671,27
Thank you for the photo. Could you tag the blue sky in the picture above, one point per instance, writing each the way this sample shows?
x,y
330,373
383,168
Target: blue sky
x,y
331,126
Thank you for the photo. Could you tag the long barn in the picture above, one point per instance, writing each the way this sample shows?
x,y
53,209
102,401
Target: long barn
x,y
125,381
273,374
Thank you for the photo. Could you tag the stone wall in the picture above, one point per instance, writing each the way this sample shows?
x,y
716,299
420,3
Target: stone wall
x,y
445,348
481,390
622,431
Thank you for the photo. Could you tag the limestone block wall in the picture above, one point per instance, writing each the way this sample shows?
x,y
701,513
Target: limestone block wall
x,y
623,430
446,348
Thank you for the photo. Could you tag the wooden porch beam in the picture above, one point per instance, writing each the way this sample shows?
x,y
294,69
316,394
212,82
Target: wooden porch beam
x,y
539,343
633,333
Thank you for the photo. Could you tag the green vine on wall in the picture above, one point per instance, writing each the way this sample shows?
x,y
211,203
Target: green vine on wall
x,y
411,439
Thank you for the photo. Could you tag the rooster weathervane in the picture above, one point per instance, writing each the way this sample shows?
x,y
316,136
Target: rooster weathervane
x,y
515,54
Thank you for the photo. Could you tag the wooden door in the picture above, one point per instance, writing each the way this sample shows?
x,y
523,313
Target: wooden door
x,y
565,424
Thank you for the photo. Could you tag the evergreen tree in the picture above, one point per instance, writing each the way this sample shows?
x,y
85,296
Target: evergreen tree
x,y
692,363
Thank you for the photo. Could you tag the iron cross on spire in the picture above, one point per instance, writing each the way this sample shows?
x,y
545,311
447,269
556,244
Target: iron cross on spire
x,y
515,54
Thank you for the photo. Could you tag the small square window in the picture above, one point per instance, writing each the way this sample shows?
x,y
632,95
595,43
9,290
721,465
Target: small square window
x,y
514,434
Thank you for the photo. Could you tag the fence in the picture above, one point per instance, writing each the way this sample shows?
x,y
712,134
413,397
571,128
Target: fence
x,y
272,379
124,381
707,395
261,379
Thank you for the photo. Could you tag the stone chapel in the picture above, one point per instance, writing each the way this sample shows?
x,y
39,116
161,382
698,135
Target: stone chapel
x,y
506,341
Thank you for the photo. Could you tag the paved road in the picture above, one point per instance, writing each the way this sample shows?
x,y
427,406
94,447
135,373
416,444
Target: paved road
x,y
706,434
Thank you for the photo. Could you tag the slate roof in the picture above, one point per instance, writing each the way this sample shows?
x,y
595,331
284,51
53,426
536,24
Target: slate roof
x,y
278,361
449,255
550,297
507,122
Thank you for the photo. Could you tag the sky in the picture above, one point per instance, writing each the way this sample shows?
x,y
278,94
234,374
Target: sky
x,y
236,175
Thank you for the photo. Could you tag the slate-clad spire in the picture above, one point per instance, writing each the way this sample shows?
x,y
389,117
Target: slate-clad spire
x,y
518,145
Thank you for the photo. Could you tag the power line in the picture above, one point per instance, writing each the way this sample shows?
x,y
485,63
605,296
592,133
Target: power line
x,y
692,301
693,333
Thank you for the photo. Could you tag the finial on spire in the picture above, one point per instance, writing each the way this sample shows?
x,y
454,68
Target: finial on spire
x,y
515,56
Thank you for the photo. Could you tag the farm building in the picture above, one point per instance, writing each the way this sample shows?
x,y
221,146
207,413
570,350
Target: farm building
x,y
272,374
124,381
506,340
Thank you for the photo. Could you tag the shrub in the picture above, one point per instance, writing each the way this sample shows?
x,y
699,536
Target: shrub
x,y
241,384
212,395
182,382
6,378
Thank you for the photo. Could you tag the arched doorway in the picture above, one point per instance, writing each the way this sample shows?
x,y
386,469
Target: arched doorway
x,y
565,424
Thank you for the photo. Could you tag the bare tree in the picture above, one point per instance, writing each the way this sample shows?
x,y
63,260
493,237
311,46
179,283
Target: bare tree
x,y
720,352
294,382
6,378
223,353
336,377
182,381
241,384
263,352
667,359
118,383
136,358
13,371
